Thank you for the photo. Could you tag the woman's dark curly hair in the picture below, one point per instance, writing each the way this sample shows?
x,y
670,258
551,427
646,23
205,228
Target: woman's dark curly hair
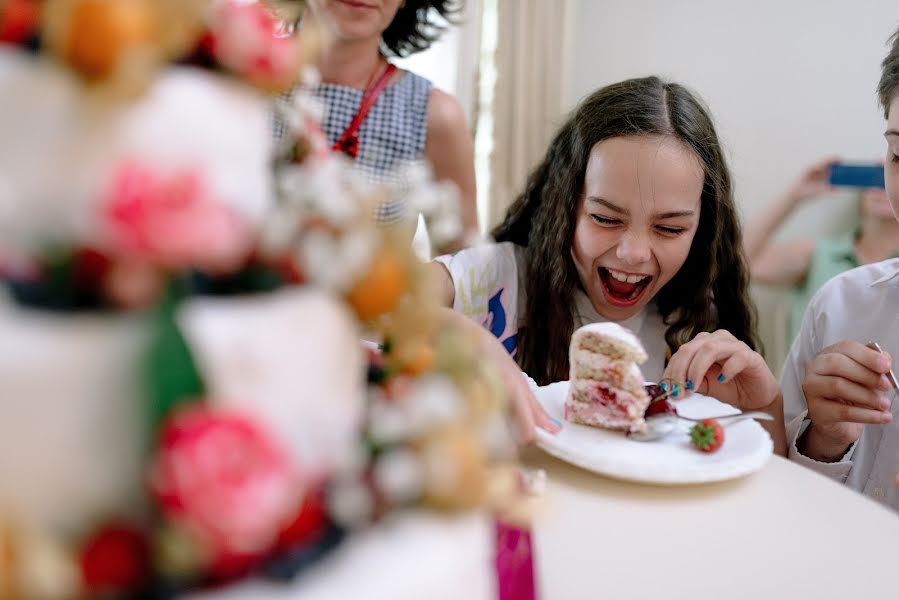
x,y
889,76
711,289
414,28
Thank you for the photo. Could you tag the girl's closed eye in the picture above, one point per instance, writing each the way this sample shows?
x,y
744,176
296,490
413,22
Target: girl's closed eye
x,y
670,230
605,220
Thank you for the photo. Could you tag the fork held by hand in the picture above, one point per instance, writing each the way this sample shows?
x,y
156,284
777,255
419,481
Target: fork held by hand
x,y
890,374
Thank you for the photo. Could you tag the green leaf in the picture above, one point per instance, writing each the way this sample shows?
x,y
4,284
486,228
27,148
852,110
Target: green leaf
x,y
172,377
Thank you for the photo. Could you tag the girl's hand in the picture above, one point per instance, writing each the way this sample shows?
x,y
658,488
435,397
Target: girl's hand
x,y
723,367
527,411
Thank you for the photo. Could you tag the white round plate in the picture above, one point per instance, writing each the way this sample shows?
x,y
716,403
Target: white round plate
x,y
670,460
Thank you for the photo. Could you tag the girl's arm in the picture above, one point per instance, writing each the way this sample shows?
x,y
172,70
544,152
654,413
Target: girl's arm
x,y
528,412
450,151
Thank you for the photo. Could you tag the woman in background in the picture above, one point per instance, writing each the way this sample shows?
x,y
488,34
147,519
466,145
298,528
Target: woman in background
x,y
808,263
380,116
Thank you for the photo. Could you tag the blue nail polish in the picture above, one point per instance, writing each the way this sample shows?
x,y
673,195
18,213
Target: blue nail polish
x,y
675,393
664,387
556,422
689,384
721,377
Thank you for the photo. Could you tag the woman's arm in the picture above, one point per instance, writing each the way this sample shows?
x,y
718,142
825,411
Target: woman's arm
x,y
450,151
784,263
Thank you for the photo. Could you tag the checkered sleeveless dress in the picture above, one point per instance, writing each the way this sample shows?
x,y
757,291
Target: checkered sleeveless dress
x,y
393,133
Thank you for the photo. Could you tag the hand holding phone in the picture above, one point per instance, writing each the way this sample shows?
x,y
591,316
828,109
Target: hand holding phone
x,y
857,176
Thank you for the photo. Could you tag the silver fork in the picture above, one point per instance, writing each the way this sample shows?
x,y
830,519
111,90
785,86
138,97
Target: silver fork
x,y
658,426
892,376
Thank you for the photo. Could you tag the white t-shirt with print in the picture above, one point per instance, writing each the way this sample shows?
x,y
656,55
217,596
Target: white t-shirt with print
x,y
488,289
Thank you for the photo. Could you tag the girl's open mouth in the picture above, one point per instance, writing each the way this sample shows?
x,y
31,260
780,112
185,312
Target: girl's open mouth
x,y
622,289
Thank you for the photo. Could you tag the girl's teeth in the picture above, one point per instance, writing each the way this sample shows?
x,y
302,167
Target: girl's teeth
x,y
623,277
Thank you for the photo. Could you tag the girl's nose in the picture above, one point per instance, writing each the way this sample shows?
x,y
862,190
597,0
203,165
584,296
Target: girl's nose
x,y
633,249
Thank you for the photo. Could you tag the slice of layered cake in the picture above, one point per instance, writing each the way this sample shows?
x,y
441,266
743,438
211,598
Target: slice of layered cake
x,y
606,383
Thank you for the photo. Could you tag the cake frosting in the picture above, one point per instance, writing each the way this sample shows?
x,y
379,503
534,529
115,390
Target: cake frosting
x,y
606,384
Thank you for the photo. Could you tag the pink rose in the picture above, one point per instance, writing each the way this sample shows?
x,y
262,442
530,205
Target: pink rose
x,y
172,222
247,38
220,477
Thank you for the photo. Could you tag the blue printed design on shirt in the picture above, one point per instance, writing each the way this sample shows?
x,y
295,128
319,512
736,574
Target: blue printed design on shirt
x,y
496,322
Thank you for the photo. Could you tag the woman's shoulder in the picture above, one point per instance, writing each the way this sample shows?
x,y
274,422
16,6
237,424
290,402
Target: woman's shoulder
x,y
445,116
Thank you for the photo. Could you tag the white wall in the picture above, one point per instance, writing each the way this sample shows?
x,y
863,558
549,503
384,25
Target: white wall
x,y
788,81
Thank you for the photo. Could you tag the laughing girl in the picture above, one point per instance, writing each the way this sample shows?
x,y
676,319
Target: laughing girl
x,y
629,218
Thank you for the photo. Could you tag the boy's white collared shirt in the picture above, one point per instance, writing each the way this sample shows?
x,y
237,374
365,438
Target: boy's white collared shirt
x,y
860,305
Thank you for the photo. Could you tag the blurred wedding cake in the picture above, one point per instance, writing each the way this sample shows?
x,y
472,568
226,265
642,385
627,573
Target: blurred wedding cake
x,y
185,400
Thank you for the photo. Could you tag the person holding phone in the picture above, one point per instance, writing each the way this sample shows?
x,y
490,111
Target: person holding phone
x,y
805,264
839,397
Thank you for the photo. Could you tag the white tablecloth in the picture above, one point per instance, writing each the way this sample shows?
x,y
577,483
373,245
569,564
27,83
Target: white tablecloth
x,y
783,532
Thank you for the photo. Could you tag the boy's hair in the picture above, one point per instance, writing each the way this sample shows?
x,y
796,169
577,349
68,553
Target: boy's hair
x,y
415,27
710,291
889,77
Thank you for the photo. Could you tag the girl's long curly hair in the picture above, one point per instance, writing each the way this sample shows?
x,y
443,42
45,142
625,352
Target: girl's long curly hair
x,y
711,289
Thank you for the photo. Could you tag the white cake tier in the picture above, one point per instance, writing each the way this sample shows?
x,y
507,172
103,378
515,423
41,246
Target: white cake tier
x,y
73,431
293,360
73,420
63,144
416,556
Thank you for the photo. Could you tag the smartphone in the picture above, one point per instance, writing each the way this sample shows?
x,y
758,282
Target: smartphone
x,y
860,176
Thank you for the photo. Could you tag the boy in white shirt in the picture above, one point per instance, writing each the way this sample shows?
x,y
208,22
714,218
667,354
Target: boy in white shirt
x,y
840,407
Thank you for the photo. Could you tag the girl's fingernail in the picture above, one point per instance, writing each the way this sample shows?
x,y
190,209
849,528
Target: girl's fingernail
x,y
721,377
556,422
676,392
664,387
884,403
887,417
885,383
689,384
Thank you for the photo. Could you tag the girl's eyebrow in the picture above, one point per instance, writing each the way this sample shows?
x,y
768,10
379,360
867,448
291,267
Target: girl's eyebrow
x,y
607,204
890,132
615,208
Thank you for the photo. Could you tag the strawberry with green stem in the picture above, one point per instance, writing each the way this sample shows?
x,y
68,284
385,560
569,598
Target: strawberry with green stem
x,y
707,435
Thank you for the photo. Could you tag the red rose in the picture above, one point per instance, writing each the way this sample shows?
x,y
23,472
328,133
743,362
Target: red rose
x,y
19,19
173,222
115,558
308,522
248,40
220,477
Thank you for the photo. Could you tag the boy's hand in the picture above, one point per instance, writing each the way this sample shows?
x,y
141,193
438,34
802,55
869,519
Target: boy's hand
x,y
845,389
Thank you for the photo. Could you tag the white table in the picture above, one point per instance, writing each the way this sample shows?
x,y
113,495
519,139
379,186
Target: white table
x,y
784,532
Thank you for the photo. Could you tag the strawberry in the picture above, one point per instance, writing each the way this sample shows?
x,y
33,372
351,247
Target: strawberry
x,y
660,407
707,435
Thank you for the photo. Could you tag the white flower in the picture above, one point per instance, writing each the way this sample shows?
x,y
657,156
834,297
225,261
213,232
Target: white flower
x,y
389,421
433,401
397,474
350,503
309,76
